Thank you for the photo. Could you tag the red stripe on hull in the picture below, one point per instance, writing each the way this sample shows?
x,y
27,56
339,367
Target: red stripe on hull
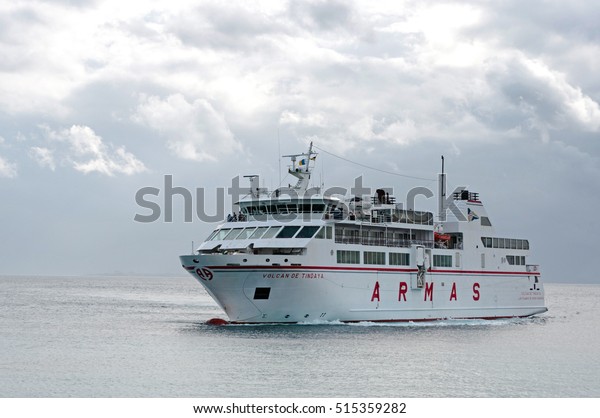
x,y
392,270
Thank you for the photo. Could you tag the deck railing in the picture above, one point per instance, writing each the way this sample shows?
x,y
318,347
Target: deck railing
x,y
384,242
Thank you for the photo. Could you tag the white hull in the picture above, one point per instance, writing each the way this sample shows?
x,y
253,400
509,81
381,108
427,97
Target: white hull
x,y
299,256
301,294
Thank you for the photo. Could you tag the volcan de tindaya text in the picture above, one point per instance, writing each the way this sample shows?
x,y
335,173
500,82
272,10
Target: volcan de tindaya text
x,y
296,255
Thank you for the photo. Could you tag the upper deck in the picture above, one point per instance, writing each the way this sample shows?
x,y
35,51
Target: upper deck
x,y
298,220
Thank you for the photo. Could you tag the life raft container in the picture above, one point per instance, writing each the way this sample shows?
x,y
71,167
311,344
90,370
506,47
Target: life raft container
x,y
441,237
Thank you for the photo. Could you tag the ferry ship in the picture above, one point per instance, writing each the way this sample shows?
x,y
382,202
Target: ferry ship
x,y
299,255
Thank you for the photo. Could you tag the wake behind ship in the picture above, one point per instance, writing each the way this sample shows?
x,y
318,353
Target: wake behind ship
x,y
296,255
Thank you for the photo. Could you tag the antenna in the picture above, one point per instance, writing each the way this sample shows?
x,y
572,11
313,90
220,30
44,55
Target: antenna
x,y
279,154
442,194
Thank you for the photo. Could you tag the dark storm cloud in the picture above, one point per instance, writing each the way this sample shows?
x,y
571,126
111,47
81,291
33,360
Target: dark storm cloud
x,y
531,93
565,36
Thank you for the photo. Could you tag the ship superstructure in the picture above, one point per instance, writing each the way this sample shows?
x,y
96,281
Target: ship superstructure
x,y
297,255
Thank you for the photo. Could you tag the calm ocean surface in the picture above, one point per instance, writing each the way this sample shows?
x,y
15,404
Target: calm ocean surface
x,y
145,337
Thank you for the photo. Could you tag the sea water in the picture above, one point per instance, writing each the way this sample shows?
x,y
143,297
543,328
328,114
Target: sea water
x,y
146,337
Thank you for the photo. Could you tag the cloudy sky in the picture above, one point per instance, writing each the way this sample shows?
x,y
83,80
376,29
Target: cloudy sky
x,y
101,98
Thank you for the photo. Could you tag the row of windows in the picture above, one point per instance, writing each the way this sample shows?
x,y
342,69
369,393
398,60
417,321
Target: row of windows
x,y
510,243
348,257
325,233
403,259
399,259
266,232
518,260
372,257
440,260
372,233
285,208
